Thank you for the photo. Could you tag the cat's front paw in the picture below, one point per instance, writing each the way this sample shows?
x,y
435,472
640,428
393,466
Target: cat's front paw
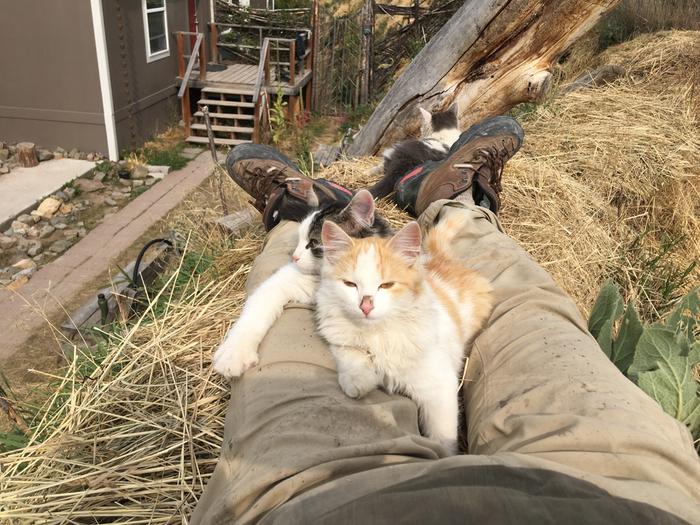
x,y
233,358
356,385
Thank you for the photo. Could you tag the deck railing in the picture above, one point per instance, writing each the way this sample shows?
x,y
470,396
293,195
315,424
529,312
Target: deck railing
x,y
249,51
197,52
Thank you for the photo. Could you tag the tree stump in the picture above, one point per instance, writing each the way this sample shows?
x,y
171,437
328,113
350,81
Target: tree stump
x,y
490,56
26,155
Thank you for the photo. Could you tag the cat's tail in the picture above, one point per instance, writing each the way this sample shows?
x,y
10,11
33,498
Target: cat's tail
x,y
440,239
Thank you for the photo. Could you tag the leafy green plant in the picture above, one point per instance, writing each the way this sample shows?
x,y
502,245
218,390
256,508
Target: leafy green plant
x,y
278,117
663,358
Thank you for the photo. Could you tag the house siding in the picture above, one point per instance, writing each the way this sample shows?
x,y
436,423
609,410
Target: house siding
x,y
50,87
144,93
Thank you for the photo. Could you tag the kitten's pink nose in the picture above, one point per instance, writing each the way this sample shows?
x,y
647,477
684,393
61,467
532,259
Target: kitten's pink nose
x,y
295,258
367,305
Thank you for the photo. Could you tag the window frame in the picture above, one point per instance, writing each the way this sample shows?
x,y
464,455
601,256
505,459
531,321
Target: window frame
x,y
152,57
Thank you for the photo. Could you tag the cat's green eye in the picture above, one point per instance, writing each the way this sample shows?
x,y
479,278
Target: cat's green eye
x,y
350,284
387,285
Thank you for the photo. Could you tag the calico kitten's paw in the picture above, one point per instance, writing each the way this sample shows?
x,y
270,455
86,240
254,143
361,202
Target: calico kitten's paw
x,y
356,385
233,359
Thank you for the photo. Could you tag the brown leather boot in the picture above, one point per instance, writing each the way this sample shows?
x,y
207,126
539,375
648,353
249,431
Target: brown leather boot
x,y
279,190
475,163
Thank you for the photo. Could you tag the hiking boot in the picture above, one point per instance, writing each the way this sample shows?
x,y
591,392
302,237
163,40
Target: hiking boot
x,y
474,162
279,190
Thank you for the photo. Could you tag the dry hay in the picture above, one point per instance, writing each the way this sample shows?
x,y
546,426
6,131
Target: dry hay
x,y
136,439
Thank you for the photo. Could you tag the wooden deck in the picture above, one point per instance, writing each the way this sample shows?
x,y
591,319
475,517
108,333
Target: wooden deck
x,y
243,76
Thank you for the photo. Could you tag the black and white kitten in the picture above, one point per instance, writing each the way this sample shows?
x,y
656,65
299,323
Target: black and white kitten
x,y
297,281
439,131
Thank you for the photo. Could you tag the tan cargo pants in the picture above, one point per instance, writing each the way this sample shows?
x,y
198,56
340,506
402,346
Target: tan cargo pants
x,y
546,414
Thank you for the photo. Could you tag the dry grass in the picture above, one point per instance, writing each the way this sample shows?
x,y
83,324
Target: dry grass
x,y
134,437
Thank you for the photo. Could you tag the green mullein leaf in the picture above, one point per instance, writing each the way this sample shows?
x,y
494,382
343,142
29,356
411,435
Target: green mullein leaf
x,y
623,348
606,310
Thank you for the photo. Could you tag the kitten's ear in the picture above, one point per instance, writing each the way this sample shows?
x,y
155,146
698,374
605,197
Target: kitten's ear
x,y
454,109
407,242
335,241
427,115
361,209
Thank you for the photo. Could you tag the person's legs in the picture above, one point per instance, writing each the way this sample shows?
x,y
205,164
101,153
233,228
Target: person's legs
x,y
550,420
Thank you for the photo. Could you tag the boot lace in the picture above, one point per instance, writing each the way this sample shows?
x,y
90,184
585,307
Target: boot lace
x,y
264,183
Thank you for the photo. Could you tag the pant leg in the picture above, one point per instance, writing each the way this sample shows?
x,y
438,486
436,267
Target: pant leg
x,y
289,427
538,383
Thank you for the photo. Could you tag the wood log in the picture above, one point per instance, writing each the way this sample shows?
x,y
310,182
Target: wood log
x,y
26,155
490,56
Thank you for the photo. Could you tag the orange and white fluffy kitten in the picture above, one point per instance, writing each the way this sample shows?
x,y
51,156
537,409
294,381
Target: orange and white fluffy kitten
x,y
400,318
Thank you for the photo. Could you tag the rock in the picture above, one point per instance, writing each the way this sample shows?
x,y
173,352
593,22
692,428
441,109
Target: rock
x,y
88,185
66,208
19,227
70,234
35,249
60,246
22,244
99,176
46,230
158,171
4,169
61,226
150,181
44,154
118,195
27,219
82,232
17,284
7,242
58,155
74,154
70,192
24,264
40,259
48,207
125,182
90,156
110,201
137,183
61,195
139,172
4,154
58,220
33,232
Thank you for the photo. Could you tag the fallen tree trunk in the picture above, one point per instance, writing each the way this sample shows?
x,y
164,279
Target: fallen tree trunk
x,y
490,56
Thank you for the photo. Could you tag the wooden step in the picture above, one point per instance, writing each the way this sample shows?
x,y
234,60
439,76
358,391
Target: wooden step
x,y
239,116
226,103
231,129
227,91
224,142
219,115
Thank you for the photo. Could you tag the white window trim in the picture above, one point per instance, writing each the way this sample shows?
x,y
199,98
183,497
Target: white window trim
x,y
152,57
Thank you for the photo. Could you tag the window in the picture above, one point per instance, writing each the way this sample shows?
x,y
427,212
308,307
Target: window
x,y
155,24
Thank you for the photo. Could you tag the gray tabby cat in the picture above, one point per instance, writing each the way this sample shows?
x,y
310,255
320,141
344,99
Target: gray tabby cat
x,y
295,282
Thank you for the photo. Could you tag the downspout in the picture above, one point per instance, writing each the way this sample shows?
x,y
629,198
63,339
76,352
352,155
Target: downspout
x,y
98,29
